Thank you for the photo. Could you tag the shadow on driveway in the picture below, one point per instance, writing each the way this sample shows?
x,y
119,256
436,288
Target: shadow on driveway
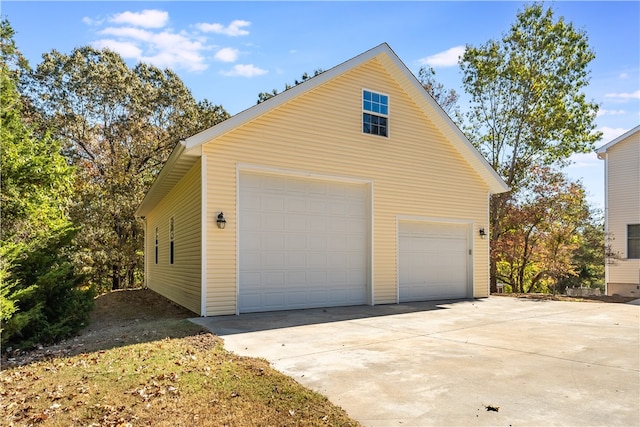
x,y
254,322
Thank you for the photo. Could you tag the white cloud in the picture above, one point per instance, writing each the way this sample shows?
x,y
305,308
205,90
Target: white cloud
x,y
126,49
448,58
144,36
234,29
609,134
603,112
583,160
624,95
148,18
245,70
129,32
176,50
90,21
227,54
623,76
163,49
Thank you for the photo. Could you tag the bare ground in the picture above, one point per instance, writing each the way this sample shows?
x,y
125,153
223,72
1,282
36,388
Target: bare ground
x,y
119,318
549,297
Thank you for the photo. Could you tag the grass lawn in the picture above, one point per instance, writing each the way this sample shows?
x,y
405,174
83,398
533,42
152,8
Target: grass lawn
x,y
140,362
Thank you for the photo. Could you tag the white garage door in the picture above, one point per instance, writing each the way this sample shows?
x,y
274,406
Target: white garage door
x,y
433,261
302,243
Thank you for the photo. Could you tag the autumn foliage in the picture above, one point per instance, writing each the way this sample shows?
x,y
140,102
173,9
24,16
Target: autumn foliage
x,y
542,231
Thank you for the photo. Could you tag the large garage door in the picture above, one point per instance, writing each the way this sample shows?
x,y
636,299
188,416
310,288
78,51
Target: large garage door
x,y
303,243
433,261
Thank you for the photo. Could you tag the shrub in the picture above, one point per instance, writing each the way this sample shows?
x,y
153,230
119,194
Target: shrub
x,y
43,299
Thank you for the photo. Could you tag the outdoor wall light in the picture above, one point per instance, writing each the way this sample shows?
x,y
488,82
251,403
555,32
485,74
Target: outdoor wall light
x,y
221,221
483,234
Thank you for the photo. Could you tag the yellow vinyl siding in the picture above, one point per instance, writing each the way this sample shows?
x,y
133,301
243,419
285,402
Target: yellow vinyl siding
x,y
414,171
181,280
623,208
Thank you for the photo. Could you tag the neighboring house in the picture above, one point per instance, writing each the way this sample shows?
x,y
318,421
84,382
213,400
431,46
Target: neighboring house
x,y
622,212
351,188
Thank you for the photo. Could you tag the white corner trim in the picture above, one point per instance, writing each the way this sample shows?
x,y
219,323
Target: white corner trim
x,y
372,251
203,236
238,238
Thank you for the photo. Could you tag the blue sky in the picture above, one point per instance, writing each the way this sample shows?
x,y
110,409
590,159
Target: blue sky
x,y
228,52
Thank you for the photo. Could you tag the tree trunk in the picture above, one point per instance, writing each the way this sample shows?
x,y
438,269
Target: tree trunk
x,y
115,278
496,204
493,276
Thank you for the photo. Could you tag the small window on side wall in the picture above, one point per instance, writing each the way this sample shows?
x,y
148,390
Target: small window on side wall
x,y
171,241
633,241
156,245
375,113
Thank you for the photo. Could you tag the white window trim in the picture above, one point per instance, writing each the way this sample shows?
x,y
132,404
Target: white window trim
x,y
387,116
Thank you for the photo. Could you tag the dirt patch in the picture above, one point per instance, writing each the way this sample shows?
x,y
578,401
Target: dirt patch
x,y
119,318
550,297
134,304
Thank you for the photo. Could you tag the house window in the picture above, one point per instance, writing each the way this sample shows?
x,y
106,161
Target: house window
x,y
633,241
156,245
171,242
375,113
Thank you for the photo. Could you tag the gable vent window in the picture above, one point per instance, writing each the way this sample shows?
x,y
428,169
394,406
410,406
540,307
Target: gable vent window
x,y
375,113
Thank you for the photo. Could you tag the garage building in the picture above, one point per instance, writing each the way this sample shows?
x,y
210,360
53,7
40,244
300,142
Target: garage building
x,y
353,187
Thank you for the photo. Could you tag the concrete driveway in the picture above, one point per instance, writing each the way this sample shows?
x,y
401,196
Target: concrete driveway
x,y
444,364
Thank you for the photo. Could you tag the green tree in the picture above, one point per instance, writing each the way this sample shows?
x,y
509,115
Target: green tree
x,y
42,298
263,96
446,98
527,105
589,257
119,126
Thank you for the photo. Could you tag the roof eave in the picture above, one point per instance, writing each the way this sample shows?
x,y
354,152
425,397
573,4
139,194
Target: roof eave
x,y
602,151
179,154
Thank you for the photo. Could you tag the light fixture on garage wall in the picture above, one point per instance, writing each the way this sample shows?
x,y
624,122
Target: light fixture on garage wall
x,y
221,221
483,233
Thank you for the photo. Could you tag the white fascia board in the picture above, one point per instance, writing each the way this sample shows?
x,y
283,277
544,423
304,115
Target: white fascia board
x,y
166,170
602,151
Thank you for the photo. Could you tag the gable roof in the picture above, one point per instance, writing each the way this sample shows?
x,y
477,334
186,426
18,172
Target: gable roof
x,y
602,151
187,152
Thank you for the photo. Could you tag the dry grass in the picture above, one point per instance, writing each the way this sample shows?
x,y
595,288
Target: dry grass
x,y
551,297
141,363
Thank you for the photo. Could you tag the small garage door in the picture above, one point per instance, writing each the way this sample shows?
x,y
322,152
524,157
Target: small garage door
x,y
433,261
302,243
